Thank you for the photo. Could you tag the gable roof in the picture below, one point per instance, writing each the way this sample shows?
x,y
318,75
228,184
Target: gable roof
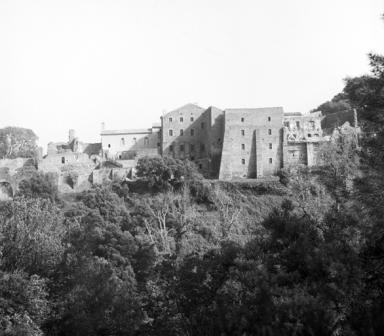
x,y
186,107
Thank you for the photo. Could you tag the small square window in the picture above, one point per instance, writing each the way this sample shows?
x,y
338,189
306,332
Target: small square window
x,y
192,119
181,132
242,119
309,135
243,161
170,132
192,132
269,131
242,132
170,119
269,118
181,119
270,160
270,146
63,159
242,146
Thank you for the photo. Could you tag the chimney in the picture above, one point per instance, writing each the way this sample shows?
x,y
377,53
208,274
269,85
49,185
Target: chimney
x,y
71,135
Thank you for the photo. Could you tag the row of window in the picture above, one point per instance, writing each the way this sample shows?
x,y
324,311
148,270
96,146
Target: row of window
x,y
243,119
243,146
243,161
191,148
191,132
243,132
134,140
181,119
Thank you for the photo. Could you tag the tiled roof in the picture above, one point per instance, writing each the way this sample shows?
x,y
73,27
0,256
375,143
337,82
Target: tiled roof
x,y
126,131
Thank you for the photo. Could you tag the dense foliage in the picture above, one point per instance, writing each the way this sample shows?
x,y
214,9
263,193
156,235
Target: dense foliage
x,y
17,142
187,257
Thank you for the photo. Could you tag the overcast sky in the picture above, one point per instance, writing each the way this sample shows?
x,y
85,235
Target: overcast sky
x,y
76,63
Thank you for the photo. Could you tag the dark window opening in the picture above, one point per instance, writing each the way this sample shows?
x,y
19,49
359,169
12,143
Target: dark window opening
x,y
181,148
270,146
242,119
109,145
242,132
170,119
202,147
243,146
191,118
200,166
192,132
243,161
181,132
63,159
170,132
309,135
270,160
192,147
269,118
171,148
202,125
269,131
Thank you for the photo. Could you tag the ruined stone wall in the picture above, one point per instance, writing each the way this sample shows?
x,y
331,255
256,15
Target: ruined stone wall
x,y
252,143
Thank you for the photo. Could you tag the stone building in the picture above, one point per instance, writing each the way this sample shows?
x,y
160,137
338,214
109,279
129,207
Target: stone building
x,y
129,144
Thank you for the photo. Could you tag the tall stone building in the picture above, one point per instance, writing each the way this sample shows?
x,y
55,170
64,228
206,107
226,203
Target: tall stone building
x,y
228,144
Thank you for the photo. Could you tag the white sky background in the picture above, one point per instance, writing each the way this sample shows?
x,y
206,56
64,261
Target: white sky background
x,y
75,63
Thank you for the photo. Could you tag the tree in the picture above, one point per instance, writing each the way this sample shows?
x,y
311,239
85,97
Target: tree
x,y
17,142
39,185
163,173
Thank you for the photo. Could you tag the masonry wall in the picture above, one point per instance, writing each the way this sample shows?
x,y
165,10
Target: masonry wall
x,y
186,134
216,138
252,143
131,144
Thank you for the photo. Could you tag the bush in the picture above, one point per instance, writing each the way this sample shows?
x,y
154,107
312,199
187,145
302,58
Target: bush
x,y
39,185
163,173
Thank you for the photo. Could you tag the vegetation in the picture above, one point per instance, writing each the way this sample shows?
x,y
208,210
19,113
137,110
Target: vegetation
x,y
17,142
187,257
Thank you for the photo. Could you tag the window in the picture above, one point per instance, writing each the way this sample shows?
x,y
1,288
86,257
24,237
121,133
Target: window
x,y
286,123
134,140
146,141
242,132
181,148
269,118
297,124
171,148
192,147
192,158
270,146
309,135
122,142
269,131
181,119
192,132
158,144
242,119
202,148
170,132
243,161
242,146
270,160
181,132
191,118
170,119
109,145
200,166
119,157
63,159
202,125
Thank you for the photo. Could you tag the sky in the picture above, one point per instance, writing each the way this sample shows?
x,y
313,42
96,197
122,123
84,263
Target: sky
x,y
77,63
